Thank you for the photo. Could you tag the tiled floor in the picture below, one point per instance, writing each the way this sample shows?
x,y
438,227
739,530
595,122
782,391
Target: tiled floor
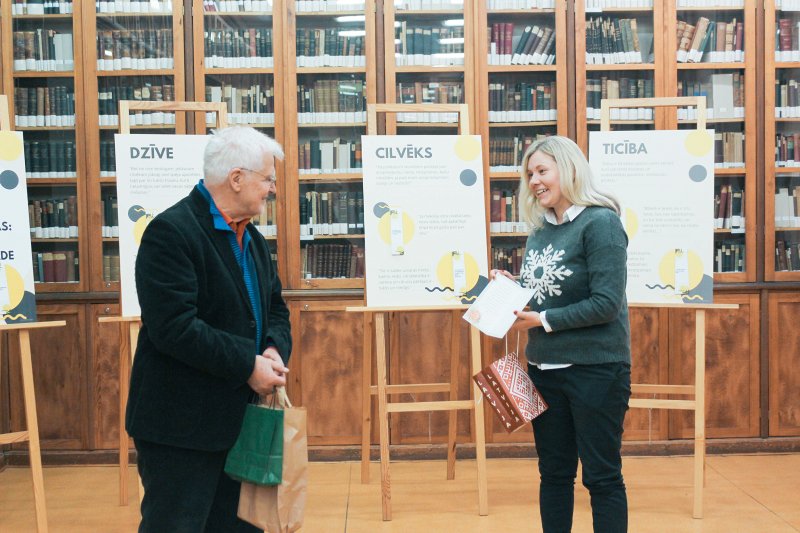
x,y
744,493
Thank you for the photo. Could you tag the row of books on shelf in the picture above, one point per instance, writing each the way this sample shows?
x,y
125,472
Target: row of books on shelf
x,y
615,41
53,218
787,207
141,118
522,102
428,45
240,48
43,50
266,222
323,6
109,217
44,106
728,257
505,153
331,213
787,98
598,89
508,258
332,260
237,6
41,7
110,267
150,49
787,40
725,96
729,208
317,156
50,159
329,47
534,46
247,104
714,3
710,40
111,91
597,6
325,97
416,5
496,5
420,92
787,150
55,267
504,212
108,161
787,256
729,149
786,5
133,6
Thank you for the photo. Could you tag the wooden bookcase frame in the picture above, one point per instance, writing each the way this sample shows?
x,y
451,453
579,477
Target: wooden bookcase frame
x,y
78,76
278,15
94,182
771,170
291,136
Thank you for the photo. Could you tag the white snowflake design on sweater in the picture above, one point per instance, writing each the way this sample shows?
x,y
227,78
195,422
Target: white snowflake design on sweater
x,y
544,284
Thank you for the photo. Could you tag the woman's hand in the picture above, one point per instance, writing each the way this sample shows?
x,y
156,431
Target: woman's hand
x,y
495,272
526,320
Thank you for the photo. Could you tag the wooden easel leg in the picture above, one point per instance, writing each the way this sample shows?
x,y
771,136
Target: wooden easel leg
x,y
124,373
480,430
383,415
366,397
700,412
452,431
33,431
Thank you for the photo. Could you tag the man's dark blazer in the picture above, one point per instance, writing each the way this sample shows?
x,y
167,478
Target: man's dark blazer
x,y
196,348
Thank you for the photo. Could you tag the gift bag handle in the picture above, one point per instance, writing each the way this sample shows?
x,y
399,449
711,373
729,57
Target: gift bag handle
x,y
506,339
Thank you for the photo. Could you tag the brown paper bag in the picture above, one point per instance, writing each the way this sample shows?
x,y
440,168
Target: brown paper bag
x,y
280,508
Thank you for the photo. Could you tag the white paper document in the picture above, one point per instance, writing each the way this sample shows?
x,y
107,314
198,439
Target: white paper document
x,y
493,310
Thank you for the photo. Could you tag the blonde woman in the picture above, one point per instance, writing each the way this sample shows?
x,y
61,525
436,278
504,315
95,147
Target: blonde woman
x,y
578,333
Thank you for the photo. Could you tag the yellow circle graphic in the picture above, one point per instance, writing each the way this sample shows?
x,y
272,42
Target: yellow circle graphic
x,y
16,287
384,228
467,147
10,146
444,272
139,226
630,220
666,269
698,143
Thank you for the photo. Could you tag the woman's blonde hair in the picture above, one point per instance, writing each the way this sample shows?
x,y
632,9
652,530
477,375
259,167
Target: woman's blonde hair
x,y
575,179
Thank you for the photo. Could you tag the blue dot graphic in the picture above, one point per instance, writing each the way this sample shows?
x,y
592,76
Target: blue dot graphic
x,y
468,177
9,179
698,173
380,209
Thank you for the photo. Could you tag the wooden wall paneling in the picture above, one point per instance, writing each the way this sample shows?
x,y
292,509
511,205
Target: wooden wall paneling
x,y
649,365
104,378
732,367
784,364
325,375
419,352
60,375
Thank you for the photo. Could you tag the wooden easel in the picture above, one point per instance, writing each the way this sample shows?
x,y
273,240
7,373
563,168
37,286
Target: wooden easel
x,y
378,316
696,393
129,325
31,435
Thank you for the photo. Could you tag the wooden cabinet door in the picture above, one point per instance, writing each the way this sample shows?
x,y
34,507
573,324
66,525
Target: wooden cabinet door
x,y
784,364
105,378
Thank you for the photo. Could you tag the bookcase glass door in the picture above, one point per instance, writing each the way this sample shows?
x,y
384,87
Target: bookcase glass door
x,y
712,56
618,54
521,64
782,127
43,83
133,51
237,58
330,81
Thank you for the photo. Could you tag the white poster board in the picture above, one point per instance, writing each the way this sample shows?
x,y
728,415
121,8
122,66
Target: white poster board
x,y
17,295
153,173
424,220
665,183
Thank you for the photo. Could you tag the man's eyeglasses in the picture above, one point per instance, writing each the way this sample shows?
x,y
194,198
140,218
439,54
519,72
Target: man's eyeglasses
x,y
270,179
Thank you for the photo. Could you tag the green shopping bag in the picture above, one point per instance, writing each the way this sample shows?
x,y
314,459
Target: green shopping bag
x,y
257,455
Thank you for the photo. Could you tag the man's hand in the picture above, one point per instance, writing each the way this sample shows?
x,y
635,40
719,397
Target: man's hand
x,y
269,372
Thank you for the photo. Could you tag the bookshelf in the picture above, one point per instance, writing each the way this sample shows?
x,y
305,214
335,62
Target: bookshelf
x,y
522,95
330,77
42,63
237,55
781,136
133,51
722,66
